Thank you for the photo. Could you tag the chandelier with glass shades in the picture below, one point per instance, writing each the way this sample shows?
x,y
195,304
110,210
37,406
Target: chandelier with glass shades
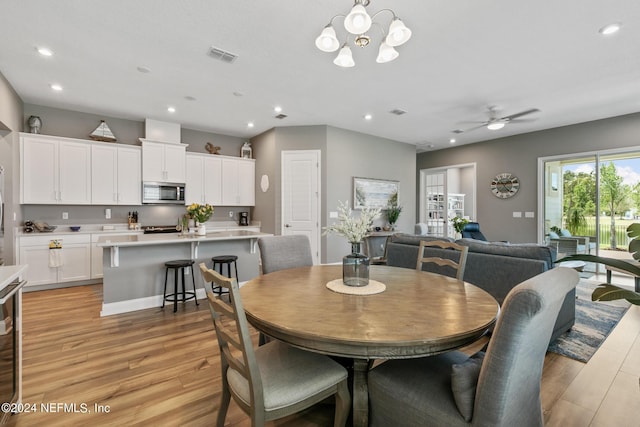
x,y
357,23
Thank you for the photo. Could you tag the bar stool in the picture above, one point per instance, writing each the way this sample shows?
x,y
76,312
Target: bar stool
x,y
221,261
179,266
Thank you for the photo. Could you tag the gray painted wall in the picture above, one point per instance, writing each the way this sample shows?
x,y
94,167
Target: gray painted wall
x,y
11,108
519,155
345,154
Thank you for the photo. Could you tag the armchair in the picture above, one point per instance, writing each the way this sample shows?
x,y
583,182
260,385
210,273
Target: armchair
x,y
567,244
471,230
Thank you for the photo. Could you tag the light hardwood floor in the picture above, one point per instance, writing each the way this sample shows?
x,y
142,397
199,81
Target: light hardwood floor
x,y
154,367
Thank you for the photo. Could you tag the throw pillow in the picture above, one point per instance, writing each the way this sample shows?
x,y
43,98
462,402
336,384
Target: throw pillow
x,y
553,235
464,379
565,233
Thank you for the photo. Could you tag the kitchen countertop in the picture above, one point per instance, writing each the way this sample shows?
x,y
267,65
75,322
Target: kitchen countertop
x,y
8,273
123,228
172,238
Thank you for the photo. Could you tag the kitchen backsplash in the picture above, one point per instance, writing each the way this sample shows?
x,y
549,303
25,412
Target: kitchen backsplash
x,y
147,215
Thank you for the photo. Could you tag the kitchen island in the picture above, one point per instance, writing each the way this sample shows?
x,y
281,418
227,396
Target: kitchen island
x,y
134,272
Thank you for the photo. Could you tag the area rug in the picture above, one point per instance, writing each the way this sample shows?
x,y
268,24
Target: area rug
x,y
594,322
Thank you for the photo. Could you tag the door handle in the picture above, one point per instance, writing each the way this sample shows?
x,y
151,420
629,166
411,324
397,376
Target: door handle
x,y
287,225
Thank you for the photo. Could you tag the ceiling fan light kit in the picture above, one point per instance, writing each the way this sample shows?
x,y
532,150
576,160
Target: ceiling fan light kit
x,y
497,123
357,23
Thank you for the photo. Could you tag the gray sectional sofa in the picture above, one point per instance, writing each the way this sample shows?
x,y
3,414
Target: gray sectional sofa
x,y
493,266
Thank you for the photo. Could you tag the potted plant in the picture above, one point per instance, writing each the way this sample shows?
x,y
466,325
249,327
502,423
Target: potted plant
x,y
609,292
458,224
393,210
201,214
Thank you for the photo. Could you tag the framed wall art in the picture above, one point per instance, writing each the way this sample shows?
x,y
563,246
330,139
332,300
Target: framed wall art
x,y
373,193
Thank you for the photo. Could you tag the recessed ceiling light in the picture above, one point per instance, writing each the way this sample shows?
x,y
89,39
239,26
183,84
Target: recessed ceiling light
x,y
56,87
250,124
171,109
45,51
368,116
452,141
610,29
277,109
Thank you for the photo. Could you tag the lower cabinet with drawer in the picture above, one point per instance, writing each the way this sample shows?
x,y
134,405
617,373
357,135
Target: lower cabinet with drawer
x,y
73,261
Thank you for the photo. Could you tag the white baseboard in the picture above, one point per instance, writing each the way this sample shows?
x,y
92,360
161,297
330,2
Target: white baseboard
x,y
139,304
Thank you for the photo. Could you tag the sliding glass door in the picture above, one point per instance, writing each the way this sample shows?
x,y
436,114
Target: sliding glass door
x,y
589,200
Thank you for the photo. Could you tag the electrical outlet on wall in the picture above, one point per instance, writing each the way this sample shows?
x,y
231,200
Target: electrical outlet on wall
x,y
65,215
230,214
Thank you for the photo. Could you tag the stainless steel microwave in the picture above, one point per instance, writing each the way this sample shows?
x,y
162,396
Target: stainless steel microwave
x,y
162,193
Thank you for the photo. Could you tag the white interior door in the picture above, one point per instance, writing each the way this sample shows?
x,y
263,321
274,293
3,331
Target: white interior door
x,y
301,196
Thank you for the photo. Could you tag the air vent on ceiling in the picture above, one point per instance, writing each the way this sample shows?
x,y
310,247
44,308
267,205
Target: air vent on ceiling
x,y
398,111
222,55
281,116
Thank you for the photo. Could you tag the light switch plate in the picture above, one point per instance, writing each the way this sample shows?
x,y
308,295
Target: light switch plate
x,y
529,215
517,214
333,214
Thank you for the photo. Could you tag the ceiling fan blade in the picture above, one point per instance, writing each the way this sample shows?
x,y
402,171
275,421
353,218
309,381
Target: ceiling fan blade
x,y
522,121
520,114
470,129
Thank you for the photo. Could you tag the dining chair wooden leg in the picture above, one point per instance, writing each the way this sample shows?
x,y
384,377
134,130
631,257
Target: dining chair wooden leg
x,y
343,404
225,398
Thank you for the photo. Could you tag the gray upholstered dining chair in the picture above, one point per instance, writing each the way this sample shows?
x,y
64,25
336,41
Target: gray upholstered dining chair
x,y
499,388
282,252
274,380
458,266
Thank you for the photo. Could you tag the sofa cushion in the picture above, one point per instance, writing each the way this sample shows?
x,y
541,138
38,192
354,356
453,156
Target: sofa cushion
x,y
516,250
565,233
553,235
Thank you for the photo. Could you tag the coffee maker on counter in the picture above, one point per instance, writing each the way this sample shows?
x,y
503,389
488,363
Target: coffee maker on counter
x,y
244,218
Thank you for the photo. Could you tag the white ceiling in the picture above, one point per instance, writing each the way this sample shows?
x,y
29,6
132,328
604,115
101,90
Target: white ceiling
x,y
464,55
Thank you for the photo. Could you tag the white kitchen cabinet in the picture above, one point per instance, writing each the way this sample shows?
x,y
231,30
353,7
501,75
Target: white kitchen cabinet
x,y
54,170
163,162
76,258
116,176
204,179
238,182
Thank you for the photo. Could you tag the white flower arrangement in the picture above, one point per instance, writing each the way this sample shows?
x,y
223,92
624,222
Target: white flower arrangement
x,y
354,229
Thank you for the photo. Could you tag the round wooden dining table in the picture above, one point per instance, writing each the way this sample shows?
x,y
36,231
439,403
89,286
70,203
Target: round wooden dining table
x,y
418,314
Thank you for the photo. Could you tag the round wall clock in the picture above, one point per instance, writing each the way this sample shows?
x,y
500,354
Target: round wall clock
x,y
505,185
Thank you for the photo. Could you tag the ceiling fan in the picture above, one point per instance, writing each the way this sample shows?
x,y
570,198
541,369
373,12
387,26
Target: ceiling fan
x,y
495,122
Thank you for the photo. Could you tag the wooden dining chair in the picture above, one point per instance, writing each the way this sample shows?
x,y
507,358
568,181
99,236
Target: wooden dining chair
x,y
274,380
458,266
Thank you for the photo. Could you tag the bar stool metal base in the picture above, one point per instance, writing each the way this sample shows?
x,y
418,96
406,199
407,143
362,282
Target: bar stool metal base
x,y
220,261
184,296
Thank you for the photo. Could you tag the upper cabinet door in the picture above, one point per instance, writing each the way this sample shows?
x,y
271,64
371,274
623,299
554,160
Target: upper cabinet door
x,y
39,168
74,173
213,180
194,188
246,182
153,162
230,195
174,161
163,162
104,174
129,176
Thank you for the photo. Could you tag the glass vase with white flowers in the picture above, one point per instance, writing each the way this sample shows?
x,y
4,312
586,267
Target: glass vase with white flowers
x,y
355,266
